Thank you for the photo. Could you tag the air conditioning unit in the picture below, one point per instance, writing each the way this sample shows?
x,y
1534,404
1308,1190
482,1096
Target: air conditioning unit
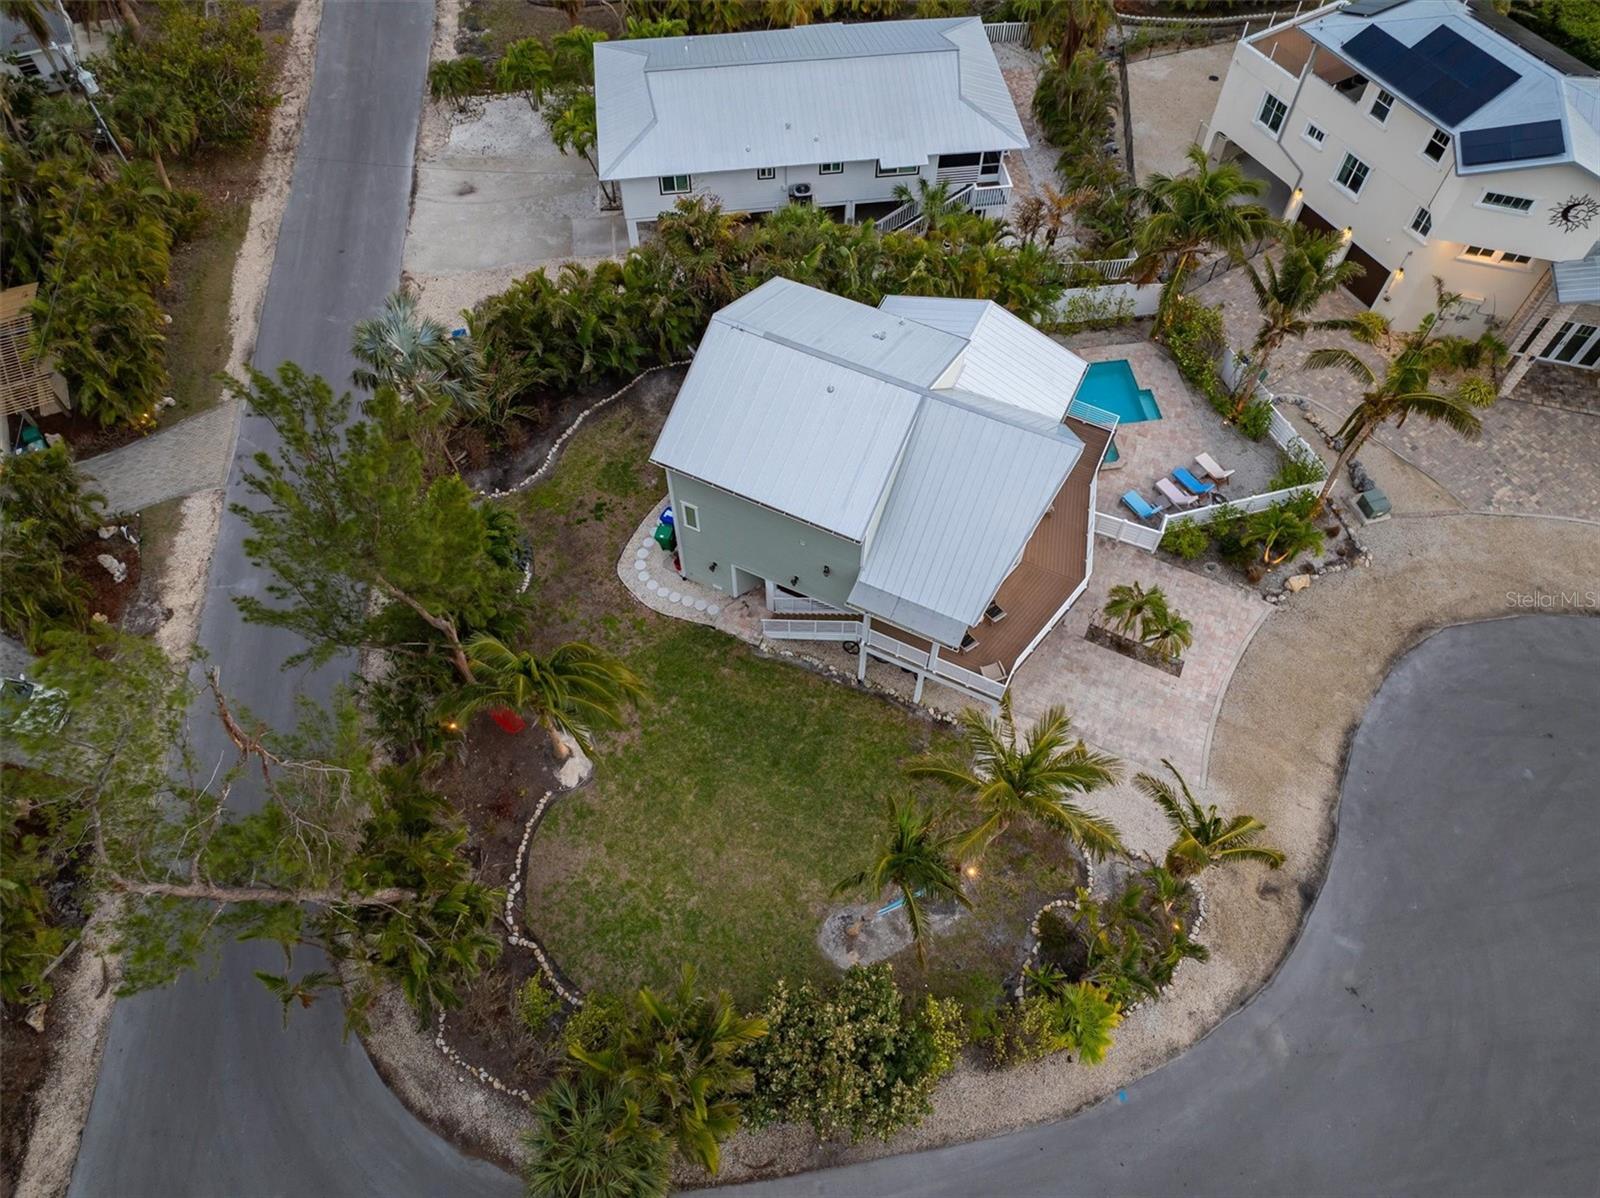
x,y
800,193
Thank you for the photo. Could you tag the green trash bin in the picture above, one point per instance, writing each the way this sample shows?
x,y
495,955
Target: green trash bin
x,y
1373,504
665,537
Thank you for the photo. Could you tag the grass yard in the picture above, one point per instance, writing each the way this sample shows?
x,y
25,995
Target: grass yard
x,y
199,340
718,822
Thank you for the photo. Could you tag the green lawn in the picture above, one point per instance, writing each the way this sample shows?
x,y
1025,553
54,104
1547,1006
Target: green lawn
x,y
718,822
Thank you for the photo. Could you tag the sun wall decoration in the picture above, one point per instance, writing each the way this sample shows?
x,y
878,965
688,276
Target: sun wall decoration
x,y
1574,213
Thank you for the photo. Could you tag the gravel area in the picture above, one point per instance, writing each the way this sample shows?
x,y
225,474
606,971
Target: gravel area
x,y
1170,97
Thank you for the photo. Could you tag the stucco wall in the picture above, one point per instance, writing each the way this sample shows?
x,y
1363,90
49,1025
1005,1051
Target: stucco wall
x,y
734,532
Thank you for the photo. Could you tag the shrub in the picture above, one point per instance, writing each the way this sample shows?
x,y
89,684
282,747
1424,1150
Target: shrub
x,y
1300,465
537,1005
45,512
1187,539
1194,337
595,1024
457,80
584,1141
854,1062
1256,419
1093,309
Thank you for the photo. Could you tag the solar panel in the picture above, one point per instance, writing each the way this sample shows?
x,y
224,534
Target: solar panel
x,y
1511,143
1443,74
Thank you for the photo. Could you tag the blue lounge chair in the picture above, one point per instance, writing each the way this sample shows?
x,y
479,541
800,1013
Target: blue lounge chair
x,y
1137,504
1192,484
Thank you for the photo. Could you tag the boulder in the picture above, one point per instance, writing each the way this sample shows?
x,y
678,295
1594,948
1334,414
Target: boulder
x,y
113,567
1297,582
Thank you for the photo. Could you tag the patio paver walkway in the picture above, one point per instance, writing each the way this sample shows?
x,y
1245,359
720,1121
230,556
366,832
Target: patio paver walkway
x,y
192,455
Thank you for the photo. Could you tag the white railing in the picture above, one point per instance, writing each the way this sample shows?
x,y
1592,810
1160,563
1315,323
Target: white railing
x,y
991,197
1140,536
1093,415
803,605
1251,503
899,218
897,652
903,653
1110,269
1007,32
811,630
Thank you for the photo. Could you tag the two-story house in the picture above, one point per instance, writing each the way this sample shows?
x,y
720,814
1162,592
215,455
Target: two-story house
x,y
838,116
1442,141
911,479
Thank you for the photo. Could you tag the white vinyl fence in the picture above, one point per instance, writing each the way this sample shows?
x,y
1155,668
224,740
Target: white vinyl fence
x,y
1004,32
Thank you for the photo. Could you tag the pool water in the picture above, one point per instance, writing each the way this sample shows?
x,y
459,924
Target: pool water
x,y
1112,387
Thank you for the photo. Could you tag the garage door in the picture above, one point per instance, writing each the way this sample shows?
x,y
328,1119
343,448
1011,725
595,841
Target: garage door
x,y
1370,285
1313,221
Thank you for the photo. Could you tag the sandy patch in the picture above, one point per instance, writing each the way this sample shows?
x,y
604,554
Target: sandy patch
x,y
185,570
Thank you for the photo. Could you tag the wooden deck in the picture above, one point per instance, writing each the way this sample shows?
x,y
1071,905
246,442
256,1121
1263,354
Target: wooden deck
x,y
1053,564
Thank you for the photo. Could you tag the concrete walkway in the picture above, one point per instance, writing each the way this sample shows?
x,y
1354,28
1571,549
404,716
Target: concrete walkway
x,y
1433,1030
192,455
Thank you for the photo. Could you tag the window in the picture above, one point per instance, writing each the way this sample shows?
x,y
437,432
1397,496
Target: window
x,y
1314,134
991,162
675,185
1273,110
1516,259
831,168
1437,145
1499,199
1352,174
691,517
766,172
1477,251
959,160
1382,106
886,171
1422,222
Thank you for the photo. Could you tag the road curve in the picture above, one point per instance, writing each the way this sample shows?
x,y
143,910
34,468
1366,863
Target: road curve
x,y
203,1091
1433,1031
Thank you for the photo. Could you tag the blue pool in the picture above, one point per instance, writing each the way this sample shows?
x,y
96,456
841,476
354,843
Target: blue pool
x,y
1111,387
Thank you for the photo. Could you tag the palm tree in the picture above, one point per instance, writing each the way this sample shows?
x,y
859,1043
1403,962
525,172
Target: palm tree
x,y
1129,604
1208,207
573,691
1073,93
1287,291
1007,779
1203,837
932,200
416,356
526,70
1402,387
1163,629
153,123
676,1061
913,859
579,1144
1283,530
1065,25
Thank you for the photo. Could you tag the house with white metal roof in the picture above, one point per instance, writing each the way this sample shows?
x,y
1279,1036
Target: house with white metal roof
x,y
911,479
836,115
1441,140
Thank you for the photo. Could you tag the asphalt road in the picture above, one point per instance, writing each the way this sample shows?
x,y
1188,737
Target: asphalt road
x,y
1434,1031
203,1091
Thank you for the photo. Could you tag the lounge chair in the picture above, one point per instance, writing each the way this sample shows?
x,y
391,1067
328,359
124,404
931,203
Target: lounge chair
x,y
1192,484
994,671
1208,466
1178,498
1137,504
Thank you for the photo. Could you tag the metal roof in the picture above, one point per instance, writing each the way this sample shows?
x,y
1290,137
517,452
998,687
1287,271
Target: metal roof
x,y
1578,281
969,492
833,412
1469,78
896,91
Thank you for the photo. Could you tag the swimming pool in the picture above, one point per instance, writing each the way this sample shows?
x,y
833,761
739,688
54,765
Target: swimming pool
x,y
1112,387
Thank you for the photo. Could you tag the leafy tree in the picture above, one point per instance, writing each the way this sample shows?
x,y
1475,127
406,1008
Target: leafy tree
x,y
1402,386
525,70
1066,26
1075,92
355,861
1282,530
345,513
855,1061
583,1146
933,201
1080,1016
572,52
572,691
457,80
570,118
1287,291
154,124
912,859
46,511
1206,207
656,27
676,1062
1203,837
1005,778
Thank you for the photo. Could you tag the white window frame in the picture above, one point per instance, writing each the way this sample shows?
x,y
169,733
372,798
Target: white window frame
x,y
1444,148
1424,217
1318,142
1523,207
1365,174
691,517
895,172
1386,98
663,182
1495,258
830,168
1267,98
766,172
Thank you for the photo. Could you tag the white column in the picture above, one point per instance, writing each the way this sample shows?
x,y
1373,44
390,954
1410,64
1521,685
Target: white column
x,y
633,233
1558,317
861,658
850,212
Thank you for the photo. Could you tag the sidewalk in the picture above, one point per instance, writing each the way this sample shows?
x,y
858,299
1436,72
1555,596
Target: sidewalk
x,y
192,455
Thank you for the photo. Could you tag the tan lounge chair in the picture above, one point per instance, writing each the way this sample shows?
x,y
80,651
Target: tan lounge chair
x,y
1208,466
1174,494
994,671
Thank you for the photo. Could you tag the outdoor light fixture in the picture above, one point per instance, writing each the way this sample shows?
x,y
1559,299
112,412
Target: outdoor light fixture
x,y
1347,234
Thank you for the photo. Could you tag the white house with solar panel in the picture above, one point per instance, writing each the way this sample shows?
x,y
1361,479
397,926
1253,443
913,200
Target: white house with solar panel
x,y
1442,140
836,116
915,480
